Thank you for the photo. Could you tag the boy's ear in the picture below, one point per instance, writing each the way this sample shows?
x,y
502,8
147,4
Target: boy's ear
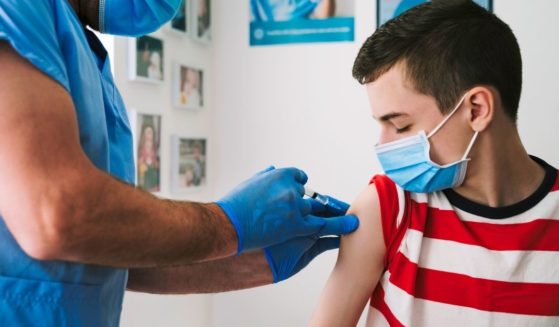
x,y
481,100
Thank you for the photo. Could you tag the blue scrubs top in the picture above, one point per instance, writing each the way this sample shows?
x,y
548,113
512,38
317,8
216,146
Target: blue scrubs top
x,y
53,293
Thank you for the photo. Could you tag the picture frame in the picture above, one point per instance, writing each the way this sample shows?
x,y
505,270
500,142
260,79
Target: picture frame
x,y
201,21
146,130
388,9
146,59
188,87
189,163
180,24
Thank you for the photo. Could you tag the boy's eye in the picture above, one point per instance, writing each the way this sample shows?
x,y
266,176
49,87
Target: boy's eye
x,y
403,130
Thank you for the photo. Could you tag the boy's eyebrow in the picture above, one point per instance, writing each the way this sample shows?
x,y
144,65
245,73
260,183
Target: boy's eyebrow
x,y
390,116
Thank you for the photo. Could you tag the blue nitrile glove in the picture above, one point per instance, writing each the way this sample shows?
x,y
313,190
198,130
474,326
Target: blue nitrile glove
x,y
334,208
269,209
288,258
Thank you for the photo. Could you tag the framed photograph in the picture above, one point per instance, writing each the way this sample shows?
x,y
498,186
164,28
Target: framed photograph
x,y
147,146
188,87
180,24
201,20
388,9
146,58
189,163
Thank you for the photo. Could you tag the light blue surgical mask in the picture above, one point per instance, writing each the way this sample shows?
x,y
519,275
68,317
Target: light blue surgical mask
x,y
135,17
408,164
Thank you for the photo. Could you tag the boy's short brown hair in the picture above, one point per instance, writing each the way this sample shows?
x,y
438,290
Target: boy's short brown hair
x,y
447,47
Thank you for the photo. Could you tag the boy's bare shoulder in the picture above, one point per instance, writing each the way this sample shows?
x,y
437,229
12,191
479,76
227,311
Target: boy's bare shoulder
x,y
366,203
367,241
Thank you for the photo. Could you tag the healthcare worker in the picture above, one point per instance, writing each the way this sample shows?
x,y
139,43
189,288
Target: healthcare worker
x,y
73,233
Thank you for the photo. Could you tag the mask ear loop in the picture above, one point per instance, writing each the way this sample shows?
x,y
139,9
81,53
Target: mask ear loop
x,y
441,124
469,148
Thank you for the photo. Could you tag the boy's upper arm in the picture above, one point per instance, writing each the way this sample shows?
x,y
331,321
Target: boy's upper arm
x,y
357,271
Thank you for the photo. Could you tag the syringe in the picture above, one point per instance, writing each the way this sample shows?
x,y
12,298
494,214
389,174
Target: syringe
x,y
334,206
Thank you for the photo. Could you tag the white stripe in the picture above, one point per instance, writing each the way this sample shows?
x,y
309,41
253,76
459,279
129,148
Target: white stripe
x,y
376,318
399,302
547,208
479,262
434,200
418,312
401,205
420,197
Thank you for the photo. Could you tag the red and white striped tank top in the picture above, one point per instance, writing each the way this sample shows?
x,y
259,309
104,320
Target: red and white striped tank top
x,y
452,262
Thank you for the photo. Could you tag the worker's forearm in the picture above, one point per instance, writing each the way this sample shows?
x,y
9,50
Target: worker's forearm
x,y
229,274
116,224
59,206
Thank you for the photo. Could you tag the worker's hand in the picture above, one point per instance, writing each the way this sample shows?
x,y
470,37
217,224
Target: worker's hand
x,y
288,258
269,209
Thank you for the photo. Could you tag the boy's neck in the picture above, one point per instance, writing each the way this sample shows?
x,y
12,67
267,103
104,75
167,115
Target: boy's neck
x,y
500,172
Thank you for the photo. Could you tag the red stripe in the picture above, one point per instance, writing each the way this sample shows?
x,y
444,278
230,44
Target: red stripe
x,y
418,212
483,294
536,235
388,200
389,207
377,301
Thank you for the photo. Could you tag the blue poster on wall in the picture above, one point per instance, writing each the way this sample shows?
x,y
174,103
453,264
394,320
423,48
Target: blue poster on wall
x,y
301,21
388,9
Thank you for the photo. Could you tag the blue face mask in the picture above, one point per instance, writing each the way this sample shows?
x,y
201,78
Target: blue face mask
x,y
408,164
135,17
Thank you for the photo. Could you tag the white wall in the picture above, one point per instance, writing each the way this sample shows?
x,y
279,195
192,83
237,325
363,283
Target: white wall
x,y
537,30
288,105
298,105
151,310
